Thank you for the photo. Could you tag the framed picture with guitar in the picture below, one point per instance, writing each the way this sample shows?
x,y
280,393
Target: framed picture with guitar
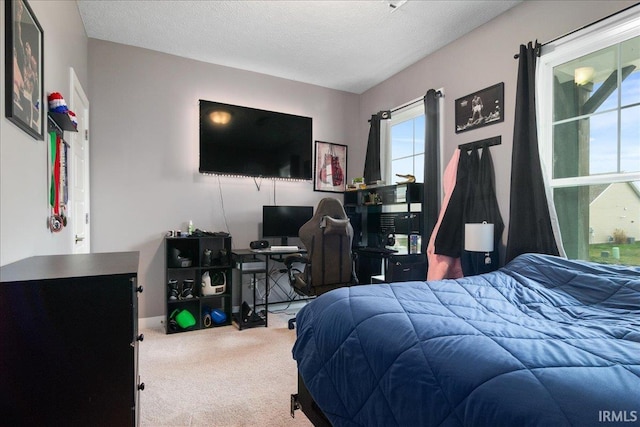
x,y
330,172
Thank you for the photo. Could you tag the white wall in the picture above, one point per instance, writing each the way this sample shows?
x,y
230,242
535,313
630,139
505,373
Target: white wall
x,y
480,59
24,201
144,152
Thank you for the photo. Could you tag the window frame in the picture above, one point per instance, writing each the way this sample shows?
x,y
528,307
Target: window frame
x,y
411,111
603,34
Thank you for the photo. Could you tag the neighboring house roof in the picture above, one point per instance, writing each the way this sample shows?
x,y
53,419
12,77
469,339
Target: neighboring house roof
x,y
596,190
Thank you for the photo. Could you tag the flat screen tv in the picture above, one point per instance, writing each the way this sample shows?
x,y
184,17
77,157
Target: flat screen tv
x,y
245,141
284,221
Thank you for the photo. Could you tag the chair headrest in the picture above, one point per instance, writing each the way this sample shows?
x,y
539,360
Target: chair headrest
x,y
331,207
333,225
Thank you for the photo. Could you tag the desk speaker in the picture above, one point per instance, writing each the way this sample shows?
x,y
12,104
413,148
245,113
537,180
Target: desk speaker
x,y
259,244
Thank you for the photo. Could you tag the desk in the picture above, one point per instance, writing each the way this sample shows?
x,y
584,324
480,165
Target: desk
x,y
371,262
405,268
241,258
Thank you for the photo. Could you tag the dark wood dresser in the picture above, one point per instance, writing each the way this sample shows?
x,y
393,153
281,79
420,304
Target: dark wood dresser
x,y
69,340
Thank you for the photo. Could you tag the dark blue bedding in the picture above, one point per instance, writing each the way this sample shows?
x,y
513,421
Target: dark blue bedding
x,y
543,341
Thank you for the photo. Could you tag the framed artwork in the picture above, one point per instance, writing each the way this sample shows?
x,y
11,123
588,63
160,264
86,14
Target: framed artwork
x,y
481,108
330,172
24,68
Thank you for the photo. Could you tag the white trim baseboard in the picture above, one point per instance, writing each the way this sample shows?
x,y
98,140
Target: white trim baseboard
x,y
151,322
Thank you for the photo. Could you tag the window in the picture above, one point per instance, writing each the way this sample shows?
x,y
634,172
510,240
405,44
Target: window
x,y
407,143
589,127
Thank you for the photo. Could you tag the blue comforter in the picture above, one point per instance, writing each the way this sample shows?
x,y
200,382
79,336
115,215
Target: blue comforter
x,y
543,341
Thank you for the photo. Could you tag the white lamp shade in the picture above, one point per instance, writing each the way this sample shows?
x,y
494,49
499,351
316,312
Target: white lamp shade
x,y
478,237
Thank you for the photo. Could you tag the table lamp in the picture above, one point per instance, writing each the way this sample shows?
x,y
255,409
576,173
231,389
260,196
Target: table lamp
x,y
478,237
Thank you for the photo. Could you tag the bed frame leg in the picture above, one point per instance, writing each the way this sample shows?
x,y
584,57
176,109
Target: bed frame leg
x,y
295,405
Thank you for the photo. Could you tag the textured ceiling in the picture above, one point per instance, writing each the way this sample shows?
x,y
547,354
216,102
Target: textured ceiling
x,y
348,45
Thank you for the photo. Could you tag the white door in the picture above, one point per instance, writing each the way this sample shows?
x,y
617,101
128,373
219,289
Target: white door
x,y
79,169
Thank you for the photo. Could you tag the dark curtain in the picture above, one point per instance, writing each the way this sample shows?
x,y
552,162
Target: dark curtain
x,y
372,159
481,204
431,195
530,228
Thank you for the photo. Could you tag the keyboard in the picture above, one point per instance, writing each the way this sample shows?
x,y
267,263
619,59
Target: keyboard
x,y
284,248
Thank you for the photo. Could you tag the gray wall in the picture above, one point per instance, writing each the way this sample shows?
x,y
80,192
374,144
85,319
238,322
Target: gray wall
x,y
24,200
144,152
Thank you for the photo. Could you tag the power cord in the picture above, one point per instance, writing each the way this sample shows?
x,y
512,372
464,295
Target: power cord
x,y
224,213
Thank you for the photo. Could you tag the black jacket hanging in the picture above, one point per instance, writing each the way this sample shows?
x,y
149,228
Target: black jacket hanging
x,y
448,239
482,205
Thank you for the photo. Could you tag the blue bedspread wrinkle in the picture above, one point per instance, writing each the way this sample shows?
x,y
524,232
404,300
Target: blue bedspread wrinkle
x,y
543,341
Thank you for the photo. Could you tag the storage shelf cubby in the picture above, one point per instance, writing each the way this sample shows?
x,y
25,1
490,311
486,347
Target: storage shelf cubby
x,y
378,211
206,255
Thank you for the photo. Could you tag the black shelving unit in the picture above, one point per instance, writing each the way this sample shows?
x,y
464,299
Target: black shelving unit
x,y
378,212
242,258
197,256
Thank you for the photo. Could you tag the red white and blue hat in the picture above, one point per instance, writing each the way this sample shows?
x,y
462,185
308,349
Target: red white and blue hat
x,y
57,103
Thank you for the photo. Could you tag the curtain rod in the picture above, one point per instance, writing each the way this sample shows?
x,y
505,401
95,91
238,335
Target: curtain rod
x,y
439,94
538,45
415,101
489,142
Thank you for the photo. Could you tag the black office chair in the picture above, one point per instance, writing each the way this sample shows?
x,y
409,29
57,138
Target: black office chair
x,y
328,263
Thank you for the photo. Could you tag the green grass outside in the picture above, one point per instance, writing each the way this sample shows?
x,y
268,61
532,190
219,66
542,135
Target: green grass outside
x,y
629,253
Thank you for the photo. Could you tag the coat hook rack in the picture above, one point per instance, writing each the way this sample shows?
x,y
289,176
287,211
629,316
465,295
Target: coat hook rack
x,y
496,140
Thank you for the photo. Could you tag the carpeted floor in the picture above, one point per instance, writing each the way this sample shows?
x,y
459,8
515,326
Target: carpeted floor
x,y
219,377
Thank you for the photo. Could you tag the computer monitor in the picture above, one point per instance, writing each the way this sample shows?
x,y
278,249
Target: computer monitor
x,y
284,221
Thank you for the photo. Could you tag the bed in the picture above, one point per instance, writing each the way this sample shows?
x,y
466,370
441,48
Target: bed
x,y
541,341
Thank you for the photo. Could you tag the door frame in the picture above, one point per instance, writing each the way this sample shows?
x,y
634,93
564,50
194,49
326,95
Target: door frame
x,y
76,138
